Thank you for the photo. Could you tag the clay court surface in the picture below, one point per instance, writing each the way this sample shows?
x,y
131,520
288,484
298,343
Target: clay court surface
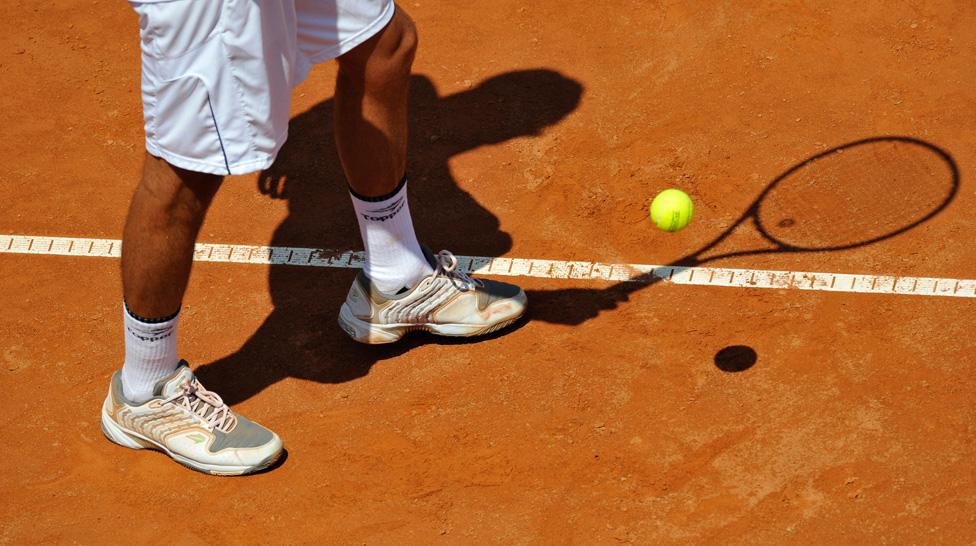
x,y
540,130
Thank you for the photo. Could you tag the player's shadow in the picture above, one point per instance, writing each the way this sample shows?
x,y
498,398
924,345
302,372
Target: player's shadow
x,y
300,338
573,306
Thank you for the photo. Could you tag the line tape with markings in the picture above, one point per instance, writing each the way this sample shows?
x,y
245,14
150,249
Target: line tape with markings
x,y
523,267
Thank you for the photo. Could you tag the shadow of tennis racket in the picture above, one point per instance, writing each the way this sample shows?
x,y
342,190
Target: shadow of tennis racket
x,y
847,197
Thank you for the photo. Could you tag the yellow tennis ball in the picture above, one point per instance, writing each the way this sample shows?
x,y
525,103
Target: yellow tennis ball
x,y
672,209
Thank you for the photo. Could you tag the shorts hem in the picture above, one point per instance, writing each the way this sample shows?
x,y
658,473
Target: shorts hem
x,y
352,42
220,169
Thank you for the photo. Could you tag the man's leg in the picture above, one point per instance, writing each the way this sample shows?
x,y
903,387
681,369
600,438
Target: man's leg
x,y
371,136
400,288
155,401
371,108
165,215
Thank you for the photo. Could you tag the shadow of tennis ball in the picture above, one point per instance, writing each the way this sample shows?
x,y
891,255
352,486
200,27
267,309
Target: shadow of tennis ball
x,y
735,358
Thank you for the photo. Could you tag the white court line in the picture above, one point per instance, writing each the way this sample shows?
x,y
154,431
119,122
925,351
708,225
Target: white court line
x,y
522,267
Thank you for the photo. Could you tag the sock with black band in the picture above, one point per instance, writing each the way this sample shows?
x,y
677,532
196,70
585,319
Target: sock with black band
x,y
394,259
150,353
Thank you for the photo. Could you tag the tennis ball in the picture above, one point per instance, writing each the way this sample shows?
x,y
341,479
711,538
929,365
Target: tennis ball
x,y
672,209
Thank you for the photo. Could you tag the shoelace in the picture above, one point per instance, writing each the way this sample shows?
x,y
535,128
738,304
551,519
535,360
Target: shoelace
x,y
447,266
205,404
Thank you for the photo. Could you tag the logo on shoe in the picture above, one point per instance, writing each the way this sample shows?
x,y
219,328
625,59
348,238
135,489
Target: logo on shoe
x,y
349,330
197,438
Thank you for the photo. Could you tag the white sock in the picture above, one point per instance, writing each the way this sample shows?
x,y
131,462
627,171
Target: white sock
x,y
394,259
150,354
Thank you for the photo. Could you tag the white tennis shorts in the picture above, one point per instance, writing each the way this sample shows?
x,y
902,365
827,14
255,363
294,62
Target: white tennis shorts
x,y
217,74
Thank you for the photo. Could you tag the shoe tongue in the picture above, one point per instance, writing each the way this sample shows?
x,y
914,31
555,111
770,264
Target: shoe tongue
x,y
168,386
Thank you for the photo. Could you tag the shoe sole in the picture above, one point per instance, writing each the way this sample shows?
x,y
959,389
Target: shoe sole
x,y
378,334
133,440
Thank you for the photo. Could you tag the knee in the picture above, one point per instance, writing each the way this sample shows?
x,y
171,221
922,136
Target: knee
x,y
407,47
390,65
384,62
175,189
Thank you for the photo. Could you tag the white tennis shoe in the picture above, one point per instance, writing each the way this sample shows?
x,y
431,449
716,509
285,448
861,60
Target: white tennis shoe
x,y
448,302
190,424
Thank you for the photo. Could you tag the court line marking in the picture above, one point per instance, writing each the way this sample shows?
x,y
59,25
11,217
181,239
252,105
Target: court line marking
x,y
524,267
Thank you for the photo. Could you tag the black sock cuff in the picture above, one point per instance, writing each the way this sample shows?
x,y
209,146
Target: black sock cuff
x,y
403,182
149,320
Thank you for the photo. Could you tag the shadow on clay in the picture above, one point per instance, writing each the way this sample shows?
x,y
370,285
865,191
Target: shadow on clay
x,y
301,338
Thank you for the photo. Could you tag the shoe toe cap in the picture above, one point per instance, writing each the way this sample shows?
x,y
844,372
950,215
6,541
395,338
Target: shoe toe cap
x,y
496,291
502,302
245,435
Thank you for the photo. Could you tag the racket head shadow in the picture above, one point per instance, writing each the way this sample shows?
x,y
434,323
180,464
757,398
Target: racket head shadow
x,y
550,305
856,194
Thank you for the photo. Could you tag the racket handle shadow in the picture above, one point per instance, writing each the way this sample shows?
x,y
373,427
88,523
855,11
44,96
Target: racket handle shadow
x,y
573,306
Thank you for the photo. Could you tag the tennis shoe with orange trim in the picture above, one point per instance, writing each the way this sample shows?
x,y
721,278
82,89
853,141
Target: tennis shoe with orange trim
x,y
190,424
447,302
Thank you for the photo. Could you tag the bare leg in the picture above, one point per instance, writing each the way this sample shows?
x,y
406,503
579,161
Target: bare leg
x,y
164,218
371,135
371,107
